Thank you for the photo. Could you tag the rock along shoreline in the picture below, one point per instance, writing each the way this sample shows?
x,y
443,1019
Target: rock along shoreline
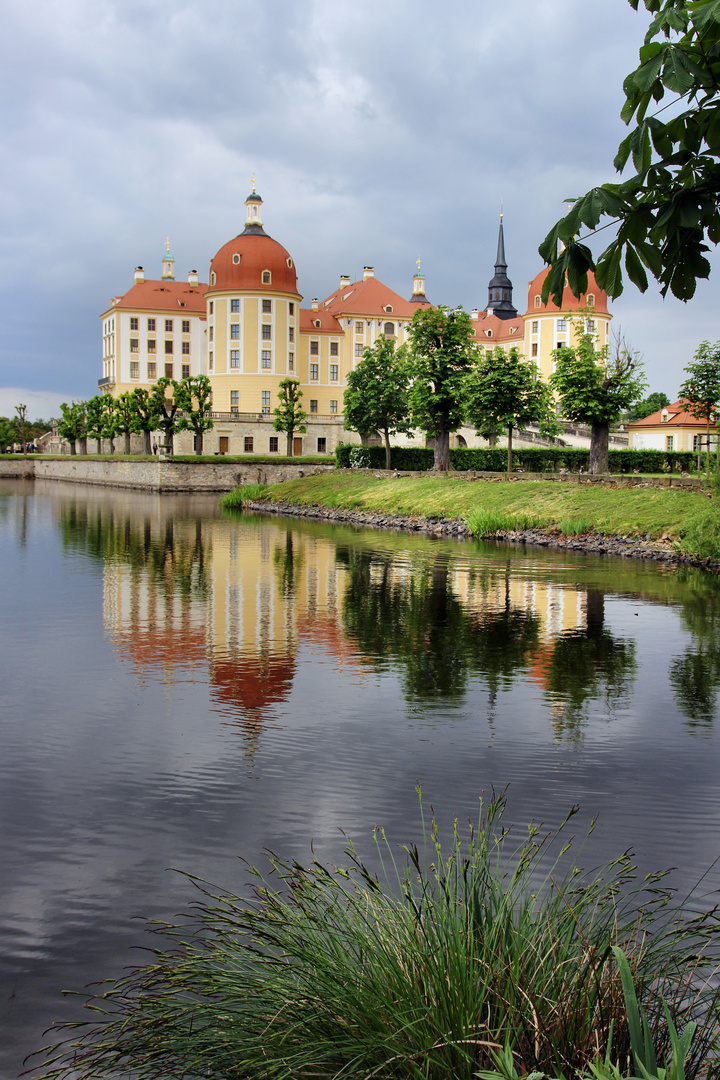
x,y
660,551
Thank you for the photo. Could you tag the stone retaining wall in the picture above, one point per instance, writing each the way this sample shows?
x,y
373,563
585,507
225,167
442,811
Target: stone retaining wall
x,y
204,475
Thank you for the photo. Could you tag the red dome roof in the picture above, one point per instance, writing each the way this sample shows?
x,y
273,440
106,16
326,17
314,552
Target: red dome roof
x,y
570,302
240,263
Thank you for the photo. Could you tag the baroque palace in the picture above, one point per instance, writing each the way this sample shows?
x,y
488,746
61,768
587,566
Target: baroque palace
x,y
246,330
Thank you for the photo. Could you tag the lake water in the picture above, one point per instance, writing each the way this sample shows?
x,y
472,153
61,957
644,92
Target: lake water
x,y
181,689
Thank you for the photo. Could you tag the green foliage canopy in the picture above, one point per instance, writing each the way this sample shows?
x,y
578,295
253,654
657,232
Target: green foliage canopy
x,y
194,398
289,414
376,398
667,213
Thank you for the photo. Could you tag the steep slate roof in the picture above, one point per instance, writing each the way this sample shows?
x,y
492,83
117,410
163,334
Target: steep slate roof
x,y
168,296
328,322
368,297
677,417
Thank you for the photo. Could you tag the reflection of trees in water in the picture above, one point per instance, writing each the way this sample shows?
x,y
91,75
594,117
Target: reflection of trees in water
x,y
175,558
695,676
288,561
586,665
418,620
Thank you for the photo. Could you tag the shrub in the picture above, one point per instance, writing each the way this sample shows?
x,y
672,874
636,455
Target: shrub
x,y
492,956
484,522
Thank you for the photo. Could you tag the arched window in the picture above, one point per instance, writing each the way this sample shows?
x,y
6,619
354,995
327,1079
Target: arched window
x,y
591,300
537,301
289,262
389,330
212,278
388,308
266,277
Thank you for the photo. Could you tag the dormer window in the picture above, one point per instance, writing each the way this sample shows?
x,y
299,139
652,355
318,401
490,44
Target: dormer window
x,y
236,258
664,416
489,333
591,300
213,278
537,301
316,322
266,277
388,308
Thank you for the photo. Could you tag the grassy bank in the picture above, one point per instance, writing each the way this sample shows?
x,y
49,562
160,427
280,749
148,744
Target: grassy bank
x,y
687,517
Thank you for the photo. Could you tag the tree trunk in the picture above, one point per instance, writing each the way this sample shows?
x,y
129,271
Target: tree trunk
x,y
707,449
599,440
509,462
127,442
99,445
83,445
289,446
73,447
111,446
146,442
198,443
441,461
386,433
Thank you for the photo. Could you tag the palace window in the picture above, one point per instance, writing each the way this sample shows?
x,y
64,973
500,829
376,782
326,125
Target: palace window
x,y
134,344
291,361
266,358
358,328
266,331
234,401
314,348
535,326
168,347
534,349
591,300
168,326
265,399
211,332
235,331
389,329
537,301
134,322
134,369
186,348
590,326
291,308
562,326
313,404
322,445
669,442
186,326
152,369
266,306
211,307
235,305
333,404
213,278
313,372
358,348
151,325
274,444
333,373
248,444
168,371
151,345
333,348
210,361
291,333
234,358
186,371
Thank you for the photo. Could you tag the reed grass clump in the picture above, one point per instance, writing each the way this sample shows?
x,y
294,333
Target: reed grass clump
x,y
243,494
484,521
493,959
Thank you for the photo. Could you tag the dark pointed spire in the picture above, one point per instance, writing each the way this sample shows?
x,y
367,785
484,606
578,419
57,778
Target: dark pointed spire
x,y
500,286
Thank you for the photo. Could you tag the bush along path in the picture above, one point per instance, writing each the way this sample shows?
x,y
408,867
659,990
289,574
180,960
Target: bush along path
x,y
666,525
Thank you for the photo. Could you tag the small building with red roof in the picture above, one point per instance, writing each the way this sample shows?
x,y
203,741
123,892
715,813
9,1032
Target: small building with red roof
x,y
671,428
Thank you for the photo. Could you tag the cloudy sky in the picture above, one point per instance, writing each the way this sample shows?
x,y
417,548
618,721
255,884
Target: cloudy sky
x,y
378,132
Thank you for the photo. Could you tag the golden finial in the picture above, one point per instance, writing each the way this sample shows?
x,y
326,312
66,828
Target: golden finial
x,y
418,265
252,181
167,244
501,210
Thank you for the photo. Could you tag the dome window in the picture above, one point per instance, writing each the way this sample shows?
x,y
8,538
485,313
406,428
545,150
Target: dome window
x,y
537,301
266,277
289,263
236,258
213,278
591,300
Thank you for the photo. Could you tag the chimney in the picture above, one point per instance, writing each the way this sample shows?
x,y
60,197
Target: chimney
x,y
474,314
314,303
344,281
192,277
139,275
368,272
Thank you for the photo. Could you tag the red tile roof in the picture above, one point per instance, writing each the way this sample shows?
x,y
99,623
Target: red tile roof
x,y
257,252
502,330
328,322
174,296
369,297
677,417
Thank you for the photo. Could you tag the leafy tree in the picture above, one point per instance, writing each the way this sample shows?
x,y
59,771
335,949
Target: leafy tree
x,y
146,411
506,391
110,426
194,398
442,353
376,398
667,212
126,418
652,403
21,423
702,389
595,387
289,414
73,425
8,433
95,414
166,407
